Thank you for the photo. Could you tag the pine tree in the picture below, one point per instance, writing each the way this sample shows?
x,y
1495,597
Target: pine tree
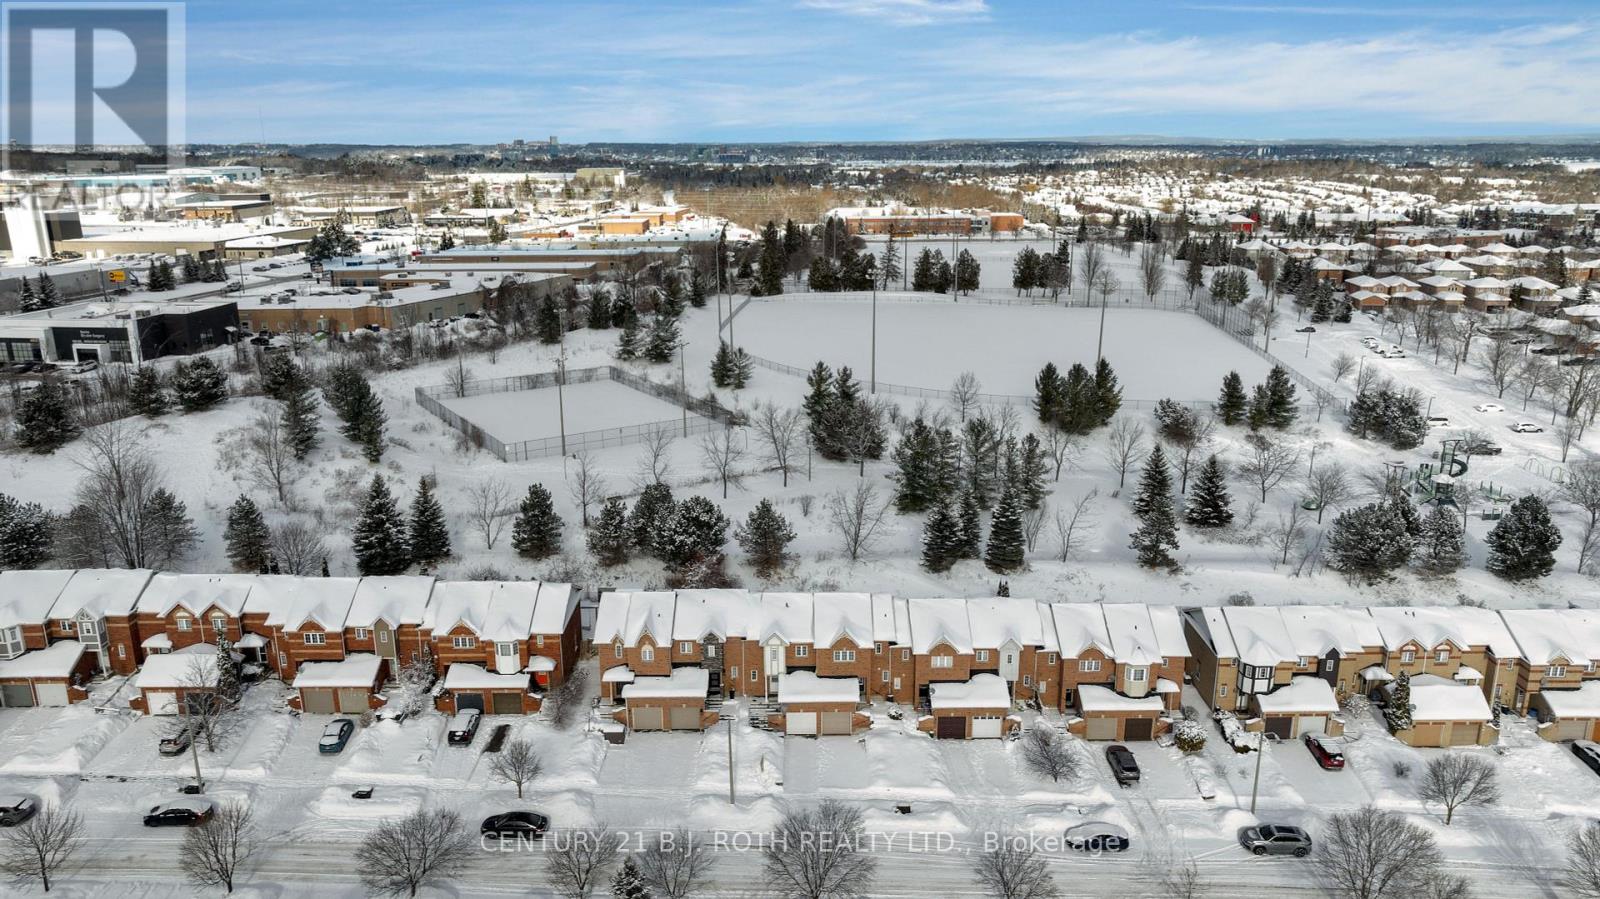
x,y
536,532
610,541
168,531
917,478
280,376
1397,714
366,425
722,365
1031,472
650,514
146,395
1369,542
228,673
547,321
191,268
1107,392
1007,544
774,261
628,342
1231,403
628,882
967,271
970,541
27,300
1442,546
598,315
247,536
161,278
889,270
818,407
300,421
941,539
1157,535
765,537
622,310
1281,409
742,368
1155,485
1522,545
26,531
430,537
1079,411
1400,504
199,384
693,536
1049,389
344,383
663,340
379,538
1210,505
45,421
697,291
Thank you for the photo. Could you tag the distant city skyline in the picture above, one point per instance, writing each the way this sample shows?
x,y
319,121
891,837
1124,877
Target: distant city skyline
x,y
750,71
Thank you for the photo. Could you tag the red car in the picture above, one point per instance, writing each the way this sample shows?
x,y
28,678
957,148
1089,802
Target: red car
x,y
1329,758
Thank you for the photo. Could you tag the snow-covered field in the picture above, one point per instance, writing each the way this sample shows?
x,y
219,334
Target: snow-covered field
x,y
518,415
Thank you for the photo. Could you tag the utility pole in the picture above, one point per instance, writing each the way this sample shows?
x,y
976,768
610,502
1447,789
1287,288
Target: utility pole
x,y
683,388
733,718
1255,787
873,368
561,400
1099,347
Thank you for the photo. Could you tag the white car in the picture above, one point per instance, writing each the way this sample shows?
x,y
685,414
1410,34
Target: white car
x,y
1438,421
1370,342
1490,407
1097,837
1527,427
82,368
1392,352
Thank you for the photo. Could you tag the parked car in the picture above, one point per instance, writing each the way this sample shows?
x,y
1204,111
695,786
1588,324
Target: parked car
x,y
176,742
16,808
1578,360
307,276
258,268
1308,329
1480,447
1587,752
1489,407
1547,351
351,290
1124,767
1276,839
395,713
180,813
234,287
1438,421
1392,352
1097,836
1330,758
335,736
515,826
464,726
82,368
1527,427
1370,342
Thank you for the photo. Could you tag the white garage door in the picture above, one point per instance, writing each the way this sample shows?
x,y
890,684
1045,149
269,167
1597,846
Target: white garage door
x,y
51,694
804,723
986,727
1313,724
161,703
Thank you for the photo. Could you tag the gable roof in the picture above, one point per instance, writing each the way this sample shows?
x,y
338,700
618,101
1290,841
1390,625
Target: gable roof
x,y
26,597
786,616
396,600
1429,626
1259,635
997,620
101,592
842,615
557,602
611,617
196,593
935,621
710,613
1135,638
458,602
1314,630
1547,634
1081,626
290,602
650,613
510,612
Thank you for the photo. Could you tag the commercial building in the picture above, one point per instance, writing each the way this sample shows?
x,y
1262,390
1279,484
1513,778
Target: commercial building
x,y
117,331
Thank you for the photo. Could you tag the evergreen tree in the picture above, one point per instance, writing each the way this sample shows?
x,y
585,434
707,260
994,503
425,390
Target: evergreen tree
x,y
1231,403
26,531
1107,392
629,341
345,382
1030,473
45,421
1400,504
199,384
228,674
650,513
1025,270
663,340
599,313
430,537
942,540
379,538
1157,535
970,542
536,532
1282,408
692,536
1079,411
697,292
628,882
740,369
610,541
547,321
1194,273
1155,485
167,530
917,476
1006,541
722,365
447,242
191,268
1397,714
822,277
161,278
1260,412
889,271
622,310
773,261
280,376
1369,542
765,537
1210,505
1442,546
1049,392
366,425
247,536
146,395
818,407
967,270
27,300
1522,545
300,421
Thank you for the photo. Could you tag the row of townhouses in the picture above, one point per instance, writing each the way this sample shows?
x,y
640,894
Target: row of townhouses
x,y
497,645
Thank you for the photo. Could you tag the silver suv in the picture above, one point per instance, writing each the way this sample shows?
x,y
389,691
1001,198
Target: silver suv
x,y
1276,839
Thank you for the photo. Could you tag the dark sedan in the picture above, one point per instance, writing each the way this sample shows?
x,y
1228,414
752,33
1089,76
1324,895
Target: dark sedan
x,y
1124,767
515,826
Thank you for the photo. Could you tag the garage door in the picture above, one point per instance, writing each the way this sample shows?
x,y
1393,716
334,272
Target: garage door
x,y
1102,728
506,703
318,702
952,728
353,700
1572,729
51,694
1463,735
1138,728
466,701
1281,727
647,719
987,727
684,718
838,723
16,695
160,703
1313,724
800,723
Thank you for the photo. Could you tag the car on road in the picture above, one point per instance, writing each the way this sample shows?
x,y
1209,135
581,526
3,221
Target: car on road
x,y
515,826
176,742
1308,329
1527,427
1588,752
351,290
1329,757
16,808
394,712
234,287
1438,421
1124,767
180,813
258,268
1489,407
1578,360
335,736
1276,839
82,368
1477,446
464,726
1392,352
1370,342
1097,836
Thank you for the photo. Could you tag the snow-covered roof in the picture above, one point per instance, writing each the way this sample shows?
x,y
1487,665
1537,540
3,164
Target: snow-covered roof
x,y
192,666
56,660
1435,699
935,621
556,604
354,670
617,674
1259,635
1548,634
1584,702
681,683
157,642
1376,673
1079,627
196,593
396,600
805,686
995,621
538,664
709,613
250,641
786,616
883,618
983,691
1301,695
467,676
1314,630
1431,626
492,610
98,592
842,615
1213,628
511,609
649,613
289,602
611,617
27,596
1134,637
1095,698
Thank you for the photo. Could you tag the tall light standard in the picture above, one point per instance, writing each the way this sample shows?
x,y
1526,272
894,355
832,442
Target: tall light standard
x,y
873,367
683,387
1255,786
561,400
732,707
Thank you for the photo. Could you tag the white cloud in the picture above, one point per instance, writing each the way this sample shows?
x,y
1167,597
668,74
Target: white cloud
x,y
906,12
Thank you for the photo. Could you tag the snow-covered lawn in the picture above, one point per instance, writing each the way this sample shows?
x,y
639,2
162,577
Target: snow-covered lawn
x,y
518,415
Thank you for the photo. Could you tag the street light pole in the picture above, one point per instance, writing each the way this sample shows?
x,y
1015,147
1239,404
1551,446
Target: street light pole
x,y
733,718
1099,347
1255,787
561,400
683,388
873,367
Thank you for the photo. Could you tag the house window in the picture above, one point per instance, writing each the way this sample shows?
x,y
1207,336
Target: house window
x,y
905,655
885,677
65,624
754,676
1556,671
733,673
647,653
944,661
844,655
1305,661
86,629
616,649
1089,665
314,639
538,640
361,633
685,647
1050,658
185,623
122,651
1136,675
505,649
1222,690
1327,664
878,648
982,655
801,652
1027,680
1407,656
1589,668
464,642
1442,656
219,624
711,650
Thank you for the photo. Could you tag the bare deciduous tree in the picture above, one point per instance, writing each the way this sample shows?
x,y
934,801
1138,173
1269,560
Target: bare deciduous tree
x,y
1124,444
298,548
1091,263
1152,270
1329,486
213,853
517,763
1009,865
208,711
856,516
459,377
1501,359
1061,447
402,855
781,432
1048,754
585,482
1289,532
489,509
1189,440
269,458
820,852
1182,880
1269,462
1342,365
562,705
674,864
1456,780
38,847
1581,873
654,466
120,477
576,861
1071,524
1374,854
722,452
964,394
1033,524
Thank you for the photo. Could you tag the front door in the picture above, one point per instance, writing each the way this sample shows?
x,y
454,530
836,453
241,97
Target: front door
x,y
383,639
775,664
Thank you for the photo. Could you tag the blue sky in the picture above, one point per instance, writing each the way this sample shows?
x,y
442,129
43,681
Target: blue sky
x,y
734,71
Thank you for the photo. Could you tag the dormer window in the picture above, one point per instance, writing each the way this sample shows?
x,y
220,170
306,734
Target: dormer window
x,y
219,624
647,653
1441,656
1137,675
361,633
185,623
1407,656
315,638
1556,671
616,649
981,655
685,647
